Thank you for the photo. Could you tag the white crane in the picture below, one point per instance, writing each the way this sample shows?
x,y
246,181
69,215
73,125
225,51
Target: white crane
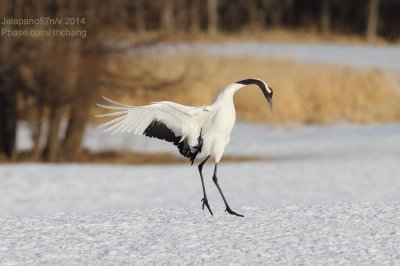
x,y
198,132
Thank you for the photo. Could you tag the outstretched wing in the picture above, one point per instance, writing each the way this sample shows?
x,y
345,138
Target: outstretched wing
x,y
168,121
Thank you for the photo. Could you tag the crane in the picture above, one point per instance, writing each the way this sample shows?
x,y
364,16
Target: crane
x,y
198,132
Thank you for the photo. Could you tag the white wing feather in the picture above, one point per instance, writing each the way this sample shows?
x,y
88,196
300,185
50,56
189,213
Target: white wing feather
x,y
185,121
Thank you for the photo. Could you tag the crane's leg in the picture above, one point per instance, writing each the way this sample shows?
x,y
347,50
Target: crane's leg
x,y
204,200
228,209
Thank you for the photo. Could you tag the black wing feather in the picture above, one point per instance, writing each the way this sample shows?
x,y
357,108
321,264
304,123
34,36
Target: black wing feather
x,y
158,129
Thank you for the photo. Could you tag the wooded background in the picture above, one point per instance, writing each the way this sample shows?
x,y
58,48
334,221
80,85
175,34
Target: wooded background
x,y
52,81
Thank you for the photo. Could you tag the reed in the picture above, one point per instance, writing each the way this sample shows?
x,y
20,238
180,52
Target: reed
x,y
303,93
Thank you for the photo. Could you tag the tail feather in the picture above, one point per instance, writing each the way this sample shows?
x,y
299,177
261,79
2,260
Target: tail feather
x,y
119,109
111,107
114,102
111,122
113,114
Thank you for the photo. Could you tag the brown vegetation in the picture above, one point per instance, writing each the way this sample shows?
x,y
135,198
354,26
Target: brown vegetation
x,y
118,157
303,93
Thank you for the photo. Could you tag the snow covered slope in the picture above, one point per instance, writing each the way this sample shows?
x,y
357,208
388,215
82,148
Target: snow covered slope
x,y
334,234
329,196
262,140
30,189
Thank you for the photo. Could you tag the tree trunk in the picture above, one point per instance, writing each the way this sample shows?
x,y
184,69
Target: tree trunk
x,y
256,16
140,16
76,128
212,16
167,16
8,91
373,19
277,7
194,16
80,107
91,61
38,132
52,148
8,119
325,17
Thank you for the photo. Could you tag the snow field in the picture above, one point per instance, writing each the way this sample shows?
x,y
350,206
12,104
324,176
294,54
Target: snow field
x,y
324,196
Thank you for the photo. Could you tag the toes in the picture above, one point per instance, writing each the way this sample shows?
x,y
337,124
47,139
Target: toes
x,y
205,203
233,213
209,209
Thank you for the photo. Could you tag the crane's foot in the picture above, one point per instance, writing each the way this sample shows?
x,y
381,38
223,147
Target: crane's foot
x,y
232,212
205,202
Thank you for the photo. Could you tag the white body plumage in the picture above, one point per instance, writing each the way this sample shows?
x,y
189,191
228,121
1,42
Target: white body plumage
x,y
212,123
198,132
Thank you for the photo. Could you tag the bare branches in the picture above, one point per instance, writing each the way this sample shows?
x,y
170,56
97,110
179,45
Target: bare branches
x,y
141,77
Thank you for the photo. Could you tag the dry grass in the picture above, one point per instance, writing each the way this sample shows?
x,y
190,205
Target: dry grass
x,y
118,157
303,93
280,35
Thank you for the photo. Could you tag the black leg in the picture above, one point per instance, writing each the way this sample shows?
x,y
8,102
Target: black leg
x,y
204,200
228,209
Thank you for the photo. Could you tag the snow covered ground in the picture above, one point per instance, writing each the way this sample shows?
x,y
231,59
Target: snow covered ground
x,y
299,142
386,57
325,195
334,234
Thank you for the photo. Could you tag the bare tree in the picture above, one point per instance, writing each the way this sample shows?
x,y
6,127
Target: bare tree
x,y
38,130
325,17
51,152
140,16
49,84
167,15
8,114
91,55
256,14
194,16
372,20
275,9
212,16
86,88
9,57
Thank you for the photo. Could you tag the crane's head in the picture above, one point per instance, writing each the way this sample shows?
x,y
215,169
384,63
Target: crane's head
x,y
267,90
